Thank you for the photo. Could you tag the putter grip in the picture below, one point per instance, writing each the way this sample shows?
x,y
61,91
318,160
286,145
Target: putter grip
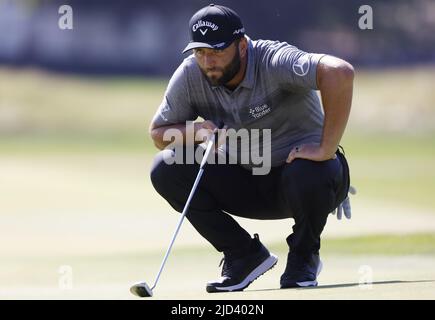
x,y
210,144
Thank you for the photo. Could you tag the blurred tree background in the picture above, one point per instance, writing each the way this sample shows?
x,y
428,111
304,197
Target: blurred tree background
x,y
146,37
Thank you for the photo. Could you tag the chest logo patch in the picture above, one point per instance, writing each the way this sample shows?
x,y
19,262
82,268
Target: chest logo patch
x,y
259,111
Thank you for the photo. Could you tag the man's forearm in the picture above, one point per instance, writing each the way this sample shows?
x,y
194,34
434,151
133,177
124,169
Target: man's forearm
x,y
158,134
336,86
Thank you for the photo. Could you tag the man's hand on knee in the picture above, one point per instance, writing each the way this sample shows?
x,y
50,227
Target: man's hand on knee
x,y
310,151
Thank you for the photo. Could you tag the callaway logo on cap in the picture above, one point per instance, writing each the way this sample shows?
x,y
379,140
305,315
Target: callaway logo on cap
x,y
214,27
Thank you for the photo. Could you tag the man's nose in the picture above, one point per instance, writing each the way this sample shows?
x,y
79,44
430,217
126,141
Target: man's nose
x,y
209,61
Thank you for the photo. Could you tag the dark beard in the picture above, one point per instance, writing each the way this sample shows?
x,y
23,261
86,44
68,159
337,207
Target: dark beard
x,y
228,73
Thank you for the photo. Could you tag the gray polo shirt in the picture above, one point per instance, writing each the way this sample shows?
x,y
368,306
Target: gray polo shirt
x,y
277,93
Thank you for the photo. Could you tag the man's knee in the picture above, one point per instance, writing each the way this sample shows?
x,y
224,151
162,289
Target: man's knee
x,y
300,174
160,173
306,180
170,177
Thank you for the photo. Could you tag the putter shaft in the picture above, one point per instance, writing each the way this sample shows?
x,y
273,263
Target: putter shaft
x,y
186,207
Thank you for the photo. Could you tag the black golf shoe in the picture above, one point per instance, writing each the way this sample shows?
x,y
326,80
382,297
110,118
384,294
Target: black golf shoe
x,y
301,271
239,273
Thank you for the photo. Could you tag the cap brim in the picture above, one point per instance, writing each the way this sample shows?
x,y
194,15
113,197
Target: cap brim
x,y
194,45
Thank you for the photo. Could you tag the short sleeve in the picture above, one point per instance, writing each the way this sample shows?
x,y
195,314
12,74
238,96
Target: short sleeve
x,y
295,68
175,106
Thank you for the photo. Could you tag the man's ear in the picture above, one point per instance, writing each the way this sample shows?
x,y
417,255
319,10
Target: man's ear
x,y
243,47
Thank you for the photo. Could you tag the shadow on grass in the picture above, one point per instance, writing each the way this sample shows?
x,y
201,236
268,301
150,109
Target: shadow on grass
x,y
344,285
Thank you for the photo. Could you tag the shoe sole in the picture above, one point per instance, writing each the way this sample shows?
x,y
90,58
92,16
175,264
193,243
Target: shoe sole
x,y
311,283
265,266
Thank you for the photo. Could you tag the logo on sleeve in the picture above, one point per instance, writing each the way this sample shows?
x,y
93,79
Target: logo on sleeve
x,y
163,111
301,66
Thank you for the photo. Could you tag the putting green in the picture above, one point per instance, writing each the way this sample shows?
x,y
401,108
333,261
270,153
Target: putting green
x,y
185,276
80,219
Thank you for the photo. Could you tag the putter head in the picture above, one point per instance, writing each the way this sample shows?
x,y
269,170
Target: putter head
x,y
141,289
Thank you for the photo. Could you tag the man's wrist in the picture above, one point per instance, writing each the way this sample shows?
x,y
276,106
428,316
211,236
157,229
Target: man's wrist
x,y
328,151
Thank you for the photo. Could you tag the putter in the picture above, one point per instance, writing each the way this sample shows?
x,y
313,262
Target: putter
x,y
141,289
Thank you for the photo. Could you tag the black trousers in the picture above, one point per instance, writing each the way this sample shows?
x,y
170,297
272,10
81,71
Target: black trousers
x,y
304,190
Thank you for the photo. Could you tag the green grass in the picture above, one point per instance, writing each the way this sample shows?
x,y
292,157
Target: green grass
x,y
407,244
390,245
120,269
379,244
393,168
109,142
35,103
